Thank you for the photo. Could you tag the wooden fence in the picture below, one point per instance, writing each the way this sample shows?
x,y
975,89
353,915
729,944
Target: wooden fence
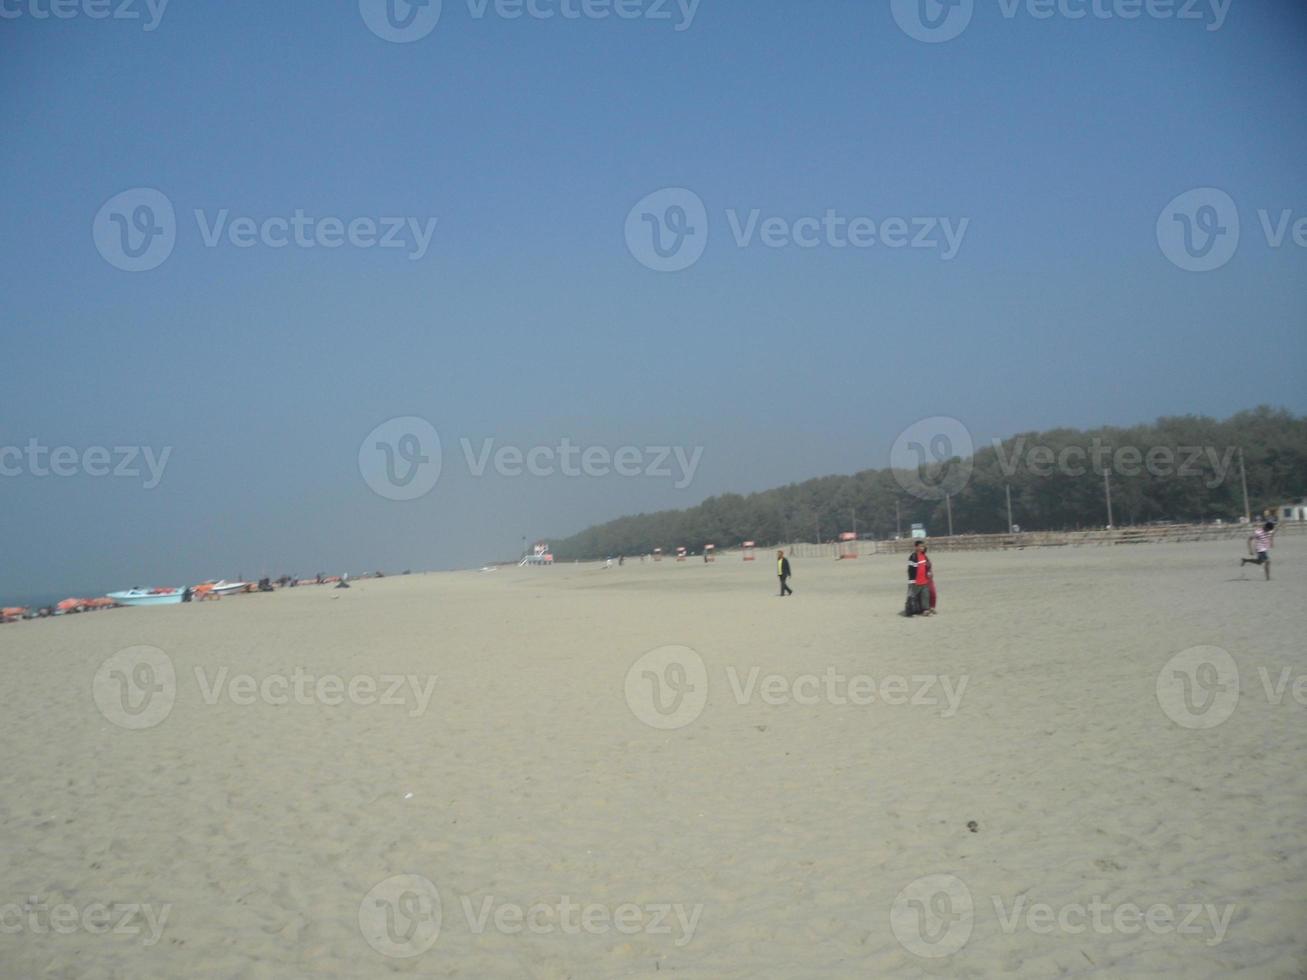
x,y
1161,534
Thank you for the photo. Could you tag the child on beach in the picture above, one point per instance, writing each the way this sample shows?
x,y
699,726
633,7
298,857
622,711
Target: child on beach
x,y
1261,542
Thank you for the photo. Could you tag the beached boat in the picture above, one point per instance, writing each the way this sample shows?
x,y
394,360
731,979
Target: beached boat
x,y
146,597
223,587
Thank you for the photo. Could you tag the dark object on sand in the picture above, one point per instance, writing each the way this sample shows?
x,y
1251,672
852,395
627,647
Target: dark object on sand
x,y
265,585
342,584
973,826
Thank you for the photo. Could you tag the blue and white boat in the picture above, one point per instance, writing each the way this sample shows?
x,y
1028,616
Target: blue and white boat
x,y
147,597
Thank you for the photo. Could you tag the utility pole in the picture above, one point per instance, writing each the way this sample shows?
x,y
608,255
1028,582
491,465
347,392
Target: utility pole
x,y
1107,487
1243,478
898,524
853,514
1008,488
948,504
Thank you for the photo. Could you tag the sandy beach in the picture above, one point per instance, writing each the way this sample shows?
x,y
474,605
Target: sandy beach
x,y
1091,762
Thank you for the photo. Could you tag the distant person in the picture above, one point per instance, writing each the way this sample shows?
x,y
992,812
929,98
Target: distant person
x,y
1260,544
918,580
783,573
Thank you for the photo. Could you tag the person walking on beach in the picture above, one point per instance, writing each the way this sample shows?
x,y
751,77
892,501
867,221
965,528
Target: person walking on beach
x,y
783,572
919,579
1261,542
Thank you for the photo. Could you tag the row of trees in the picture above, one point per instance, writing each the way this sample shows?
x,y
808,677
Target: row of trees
x,y
1181,468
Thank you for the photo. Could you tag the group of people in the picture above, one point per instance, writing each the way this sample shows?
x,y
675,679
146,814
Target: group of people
x,y
923,597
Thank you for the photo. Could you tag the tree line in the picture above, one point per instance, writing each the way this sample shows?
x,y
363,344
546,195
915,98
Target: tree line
x,y
1180,468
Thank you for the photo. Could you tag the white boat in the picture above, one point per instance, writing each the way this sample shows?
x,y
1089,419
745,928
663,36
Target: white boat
x,y
146,597
223,587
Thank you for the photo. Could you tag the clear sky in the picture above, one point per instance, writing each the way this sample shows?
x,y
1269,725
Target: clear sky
x,y
1050,144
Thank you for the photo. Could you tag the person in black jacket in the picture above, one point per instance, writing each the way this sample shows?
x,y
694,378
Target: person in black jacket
x,y
783,573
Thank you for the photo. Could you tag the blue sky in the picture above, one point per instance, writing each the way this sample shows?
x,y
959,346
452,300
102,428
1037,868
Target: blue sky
x,y
529,317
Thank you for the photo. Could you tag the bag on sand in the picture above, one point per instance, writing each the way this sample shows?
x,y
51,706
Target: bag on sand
x,y
913,605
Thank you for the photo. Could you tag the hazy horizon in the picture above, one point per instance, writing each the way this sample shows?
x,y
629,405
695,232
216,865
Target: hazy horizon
x,y
241,240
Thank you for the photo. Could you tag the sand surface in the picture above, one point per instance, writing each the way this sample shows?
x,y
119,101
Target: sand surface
x,y
587,803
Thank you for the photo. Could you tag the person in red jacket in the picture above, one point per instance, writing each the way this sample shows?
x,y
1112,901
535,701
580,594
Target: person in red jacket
x,y
919,579
930,580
